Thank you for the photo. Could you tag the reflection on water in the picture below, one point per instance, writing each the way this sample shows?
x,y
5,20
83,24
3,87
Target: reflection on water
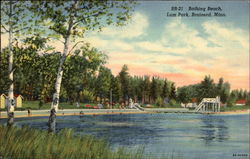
x,y
213,128
191,135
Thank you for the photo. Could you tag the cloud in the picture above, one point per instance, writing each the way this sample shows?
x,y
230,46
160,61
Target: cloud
x,y
110,45
136,27
159,47
226,36
179,35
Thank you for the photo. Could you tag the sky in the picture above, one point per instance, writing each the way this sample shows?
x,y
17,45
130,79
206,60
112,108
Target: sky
x,y
181,49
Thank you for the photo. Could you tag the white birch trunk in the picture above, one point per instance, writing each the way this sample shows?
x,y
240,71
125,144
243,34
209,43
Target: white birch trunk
x,y
56,95
55,102
10,101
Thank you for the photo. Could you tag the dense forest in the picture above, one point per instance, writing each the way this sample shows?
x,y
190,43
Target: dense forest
x,y
86,79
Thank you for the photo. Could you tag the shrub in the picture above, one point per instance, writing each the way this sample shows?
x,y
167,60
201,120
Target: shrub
x,y
172,102
86,95
231,102
159,102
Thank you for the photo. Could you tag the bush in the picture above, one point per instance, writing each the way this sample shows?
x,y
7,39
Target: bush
x,y
172,102
230,102
116,106
248,102
41,102
87,96
21,109
159,102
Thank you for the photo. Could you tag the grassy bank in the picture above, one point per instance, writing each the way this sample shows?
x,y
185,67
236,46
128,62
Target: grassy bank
x,y
34,105
32,143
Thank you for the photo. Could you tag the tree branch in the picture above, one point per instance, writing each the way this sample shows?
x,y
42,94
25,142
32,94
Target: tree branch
x,y
74,47
82,19
21,29
4,28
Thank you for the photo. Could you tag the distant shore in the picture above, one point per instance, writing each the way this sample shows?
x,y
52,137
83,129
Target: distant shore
x,y
235,112
72,112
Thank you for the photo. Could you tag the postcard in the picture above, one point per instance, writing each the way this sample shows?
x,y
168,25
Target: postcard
x,y
124,79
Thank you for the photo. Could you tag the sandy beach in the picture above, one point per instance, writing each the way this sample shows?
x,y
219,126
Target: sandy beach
x,y
70,112
235,112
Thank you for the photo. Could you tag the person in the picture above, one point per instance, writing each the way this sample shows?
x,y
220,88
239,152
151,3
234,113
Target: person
x,y
77,105
29,113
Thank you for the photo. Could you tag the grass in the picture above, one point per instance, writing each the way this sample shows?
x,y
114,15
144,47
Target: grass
x,y
165,106
32,143
34,105
63,105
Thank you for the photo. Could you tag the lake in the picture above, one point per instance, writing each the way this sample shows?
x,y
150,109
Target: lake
x,y
190,136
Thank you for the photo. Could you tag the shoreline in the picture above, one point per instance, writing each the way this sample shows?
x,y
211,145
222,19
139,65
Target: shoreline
x,y
235,112
79,112
74,112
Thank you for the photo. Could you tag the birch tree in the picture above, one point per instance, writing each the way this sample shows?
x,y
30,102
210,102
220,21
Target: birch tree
x,y
14,20
69,20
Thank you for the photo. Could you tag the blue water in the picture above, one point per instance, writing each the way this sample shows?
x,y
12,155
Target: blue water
x,y
190,136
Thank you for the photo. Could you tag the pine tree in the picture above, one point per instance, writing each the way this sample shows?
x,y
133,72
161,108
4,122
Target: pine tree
x,y
173,92
165,92
153,90
125,85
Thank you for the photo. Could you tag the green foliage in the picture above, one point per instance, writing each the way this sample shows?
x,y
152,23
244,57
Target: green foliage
x,y
26,142
172,92
172,102
125,84
184,94
154,89
165,90
103,82
79,71
35,73
4,81
223,90
70,20
232,98
207,88
16,20
87,95
116,89
159,102
248,102
74,18
145,85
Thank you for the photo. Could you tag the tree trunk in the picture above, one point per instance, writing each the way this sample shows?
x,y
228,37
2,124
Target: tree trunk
x,y
10,101
52,121
55,101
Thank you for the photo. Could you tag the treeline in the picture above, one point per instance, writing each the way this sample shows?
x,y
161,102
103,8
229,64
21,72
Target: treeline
x,y
35,72
207,88
86,79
